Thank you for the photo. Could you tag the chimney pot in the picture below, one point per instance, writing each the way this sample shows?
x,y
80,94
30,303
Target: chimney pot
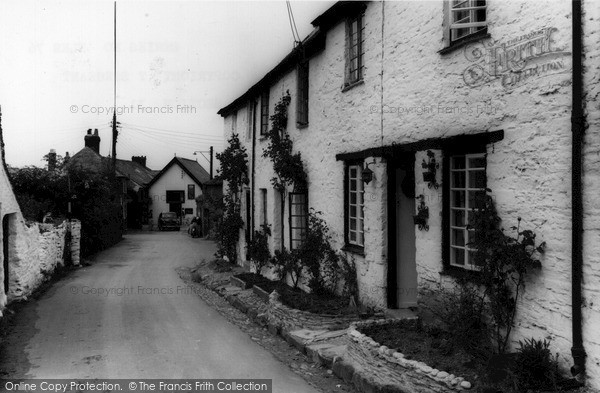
x,y
92,141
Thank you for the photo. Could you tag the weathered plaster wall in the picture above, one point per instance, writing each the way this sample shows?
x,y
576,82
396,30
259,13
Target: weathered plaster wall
x,y
410,93
8,206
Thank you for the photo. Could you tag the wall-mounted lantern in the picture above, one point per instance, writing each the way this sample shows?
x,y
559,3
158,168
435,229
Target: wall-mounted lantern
x,y
422,214
367,174
429,170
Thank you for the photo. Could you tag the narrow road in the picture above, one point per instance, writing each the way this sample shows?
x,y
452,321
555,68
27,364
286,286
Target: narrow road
x,y
129,315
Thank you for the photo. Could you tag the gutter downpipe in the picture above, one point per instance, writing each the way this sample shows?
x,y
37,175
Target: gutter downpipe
x,y
578,128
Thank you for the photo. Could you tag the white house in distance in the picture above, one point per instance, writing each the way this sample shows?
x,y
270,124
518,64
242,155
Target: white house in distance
x,y
175,188
400,106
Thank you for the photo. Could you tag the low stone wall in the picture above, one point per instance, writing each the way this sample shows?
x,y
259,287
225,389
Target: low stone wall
x,y
380,362
38,250
284,317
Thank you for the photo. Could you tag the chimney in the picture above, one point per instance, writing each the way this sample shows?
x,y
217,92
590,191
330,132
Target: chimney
x,y
92,141
52,160
140,160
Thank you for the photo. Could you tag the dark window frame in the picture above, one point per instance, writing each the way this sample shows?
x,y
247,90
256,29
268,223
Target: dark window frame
x,y
172,193
264,112
354,73
303,229
303,91
191,191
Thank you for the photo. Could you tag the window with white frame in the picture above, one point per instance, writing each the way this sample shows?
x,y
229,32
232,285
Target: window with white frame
x,y
355,48
465,18
467,183
355,234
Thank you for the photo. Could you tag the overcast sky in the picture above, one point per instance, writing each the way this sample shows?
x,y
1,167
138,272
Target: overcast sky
x,y
178,63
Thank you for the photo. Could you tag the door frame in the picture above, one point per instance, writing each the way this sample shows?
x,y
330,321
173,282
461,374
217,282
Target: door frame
x,y
404,160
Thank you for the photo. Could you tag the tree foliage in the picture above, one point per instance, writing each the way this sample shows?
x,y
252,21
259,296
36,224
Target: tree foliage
x,y
94,197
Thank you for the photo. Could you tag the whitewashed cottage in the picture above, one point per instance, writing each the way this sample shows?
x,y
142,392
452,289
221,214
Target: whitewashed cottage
x,y
394,104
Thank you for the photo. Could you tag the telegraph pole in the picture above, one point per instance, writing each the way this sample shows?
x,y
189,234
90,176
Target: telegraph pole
x,y
115,132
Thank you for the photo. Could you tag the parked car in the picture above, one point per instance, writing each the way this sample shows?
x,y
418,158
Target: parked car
x,y
168,220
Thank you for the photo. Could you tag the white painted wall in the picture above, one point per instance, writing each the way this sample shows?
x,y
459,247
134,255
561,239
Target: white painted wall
x,y
410,93
174,179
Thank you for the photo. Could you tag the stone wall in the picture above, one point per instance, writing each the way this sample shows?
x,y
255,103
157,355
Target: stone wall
x,y
38,249
289,319
411,92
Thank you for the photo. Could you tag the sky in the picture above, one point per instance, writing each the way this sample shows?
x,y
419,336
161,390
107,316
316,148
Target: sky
x,y
178,63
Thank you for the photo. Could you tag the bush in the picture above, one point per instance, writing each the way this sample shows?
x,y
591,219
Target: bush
x,y
463,313
258,248
319,258
286,264
228,229
534,367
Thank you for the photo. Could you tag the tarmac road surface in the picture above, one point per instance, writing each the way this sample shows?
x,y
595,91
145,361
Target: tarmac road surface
x,y
129,315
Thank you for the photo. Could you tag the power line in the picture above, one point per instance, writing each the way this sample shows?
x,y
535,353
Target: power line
x,y
182,138
171,131
292,23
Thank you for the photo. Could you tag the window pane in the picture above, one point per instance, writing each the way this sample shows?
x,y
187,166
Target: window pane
x,y
458,237
458,179
360,238
458,162
352,185
361,198
352,211
477,179
353,237
458,199
353,224
476,199
353,170
477,162
458,256
458,218
353,198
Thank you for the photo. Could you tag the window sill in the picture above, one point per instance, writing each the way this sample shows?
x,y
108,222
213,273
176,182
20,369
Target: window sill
x,y
352,85
301,125
460,273
354,249
480,35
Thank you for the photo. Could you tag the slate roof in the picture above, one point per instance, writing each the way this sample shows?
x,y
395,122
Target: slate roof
x,y
191,167
87,159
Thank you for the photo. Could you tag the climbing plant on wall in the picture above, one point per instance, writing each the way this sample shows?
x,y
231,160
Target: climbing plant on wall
x,y
288,166
234,171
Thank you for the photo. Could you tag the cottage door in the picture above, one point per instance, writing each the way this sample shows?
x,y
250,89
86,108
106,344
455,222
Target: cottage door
x,y
406,270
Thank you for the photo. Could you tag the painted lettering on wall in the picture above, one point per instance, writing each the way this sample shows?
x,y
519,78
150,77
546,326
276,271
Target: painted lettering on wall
x,y
515,61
